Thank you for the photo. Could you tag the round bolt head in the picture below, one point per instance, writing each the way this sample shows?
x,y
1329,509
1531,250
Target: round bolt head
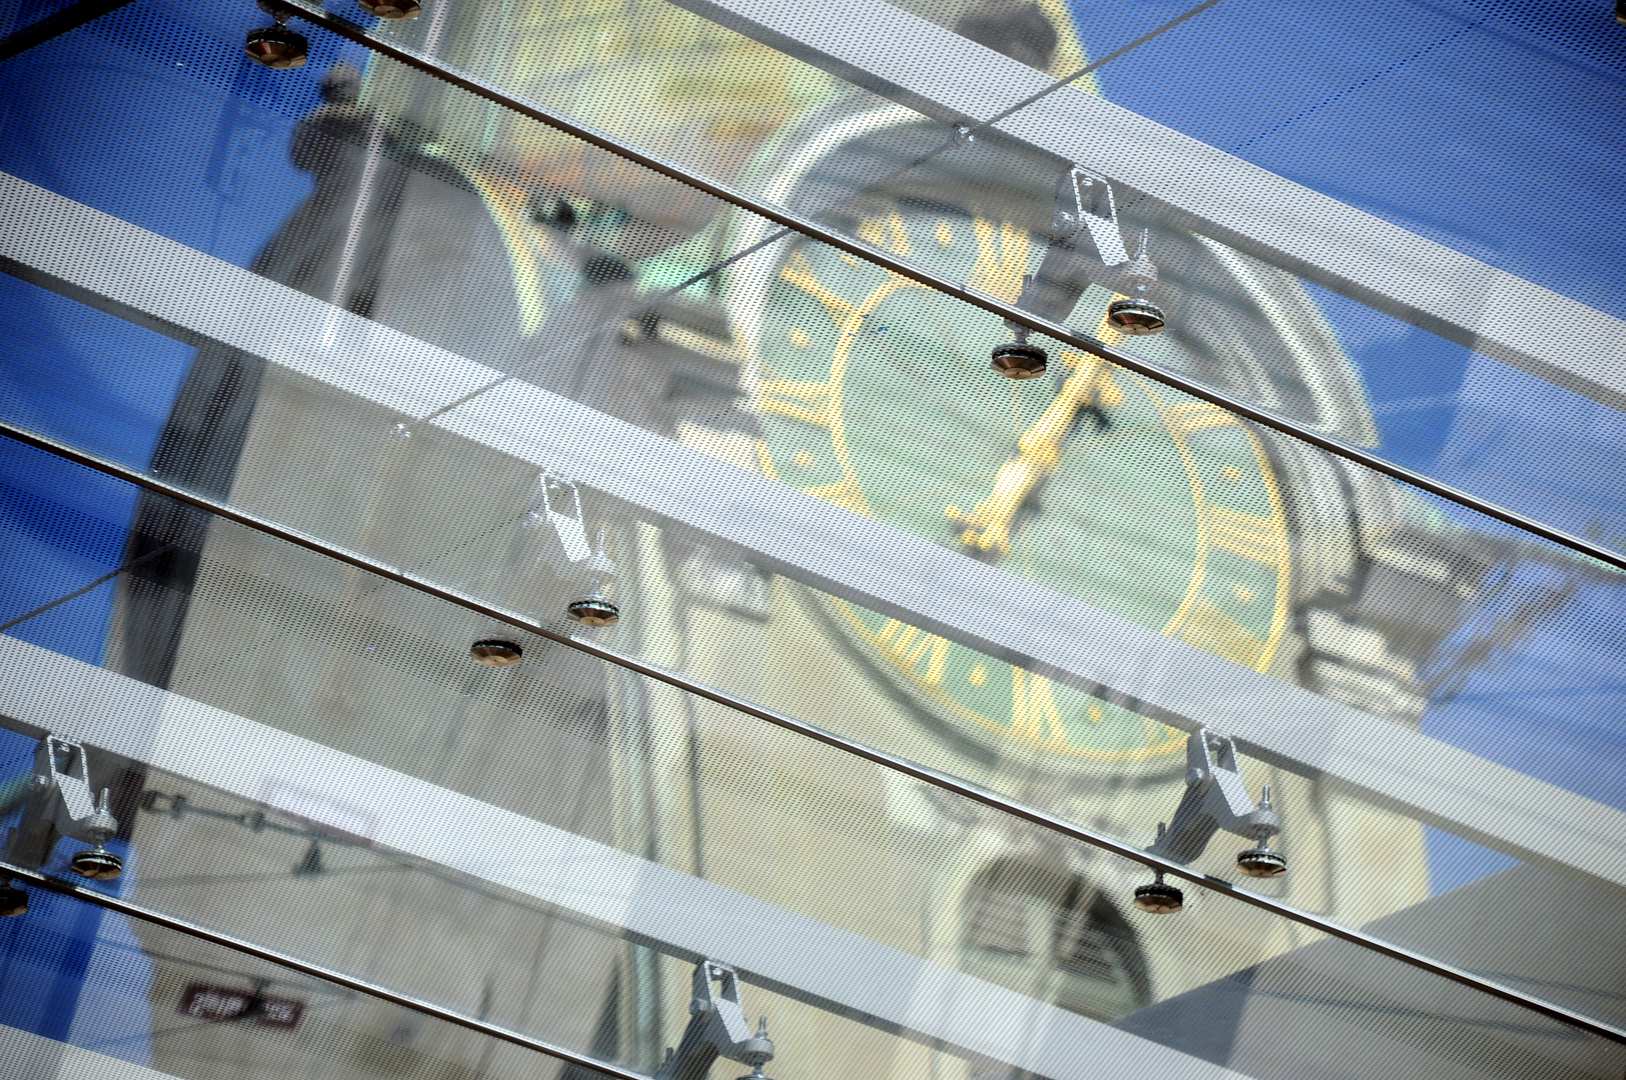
x,y
496,652
99,828
1261,862
13,902
1017,360
1135,317
276,47
1159,898
98,864
594,611
392,9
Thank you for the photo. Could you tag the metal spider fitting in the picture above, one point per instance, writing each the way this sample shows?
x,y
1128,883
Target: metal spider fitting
x,y
60,803
1086,245
1215,798
717,1028
556,507
593,606
276,46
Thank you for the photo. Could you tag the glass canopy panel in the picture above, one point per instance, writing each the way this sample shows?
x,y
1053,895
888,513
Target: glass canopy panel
x,y
171,1004
1446,405
156,1002
1310,571
323,460
549,847
549,307
320,714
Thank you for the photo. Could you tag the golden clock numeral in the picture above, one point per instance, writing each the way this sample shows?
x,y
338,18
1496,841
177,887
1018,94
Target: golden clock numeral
x,y
1034,715
888,630
798,271
924,654
1197,416
1002,260
809,402
844,493
1248,535
1211,630
888,232
1155,732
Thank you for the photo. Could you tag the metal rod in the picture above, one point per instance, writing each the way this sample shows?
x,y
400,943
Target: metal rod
x,y
857,248
54,26
326,974
77,593
1154,32
925,774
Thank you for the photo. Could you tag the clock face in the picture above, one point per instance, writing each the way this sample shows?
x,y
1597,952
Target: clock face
x,y
875,394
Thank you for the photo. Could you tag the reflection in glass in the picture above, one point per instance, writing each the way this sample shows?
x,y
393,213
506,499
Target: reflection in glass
x,y
430,213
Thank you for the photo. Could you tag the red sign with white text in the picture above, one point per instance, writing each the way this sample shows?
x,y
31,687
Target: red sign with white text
x,y
205,1002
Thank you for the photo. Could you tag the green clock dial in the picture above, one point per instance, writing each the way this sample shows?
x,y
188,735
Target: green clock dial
x,y
875,394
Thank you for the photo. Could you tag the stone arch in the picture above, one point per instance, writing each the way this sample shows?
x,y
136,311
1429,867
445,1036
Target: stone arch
x,y
1047,930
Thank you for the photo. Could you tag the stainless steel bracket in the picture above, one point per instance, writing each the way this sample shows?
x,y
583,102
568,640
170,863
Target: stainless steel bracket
x,y
569,523
60,803
1216,798
1086,247
717,1028
1084,203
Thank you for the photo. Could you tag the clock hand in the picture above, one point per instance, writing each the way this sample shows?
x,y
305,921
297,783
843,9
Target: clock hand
x,y
988,526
